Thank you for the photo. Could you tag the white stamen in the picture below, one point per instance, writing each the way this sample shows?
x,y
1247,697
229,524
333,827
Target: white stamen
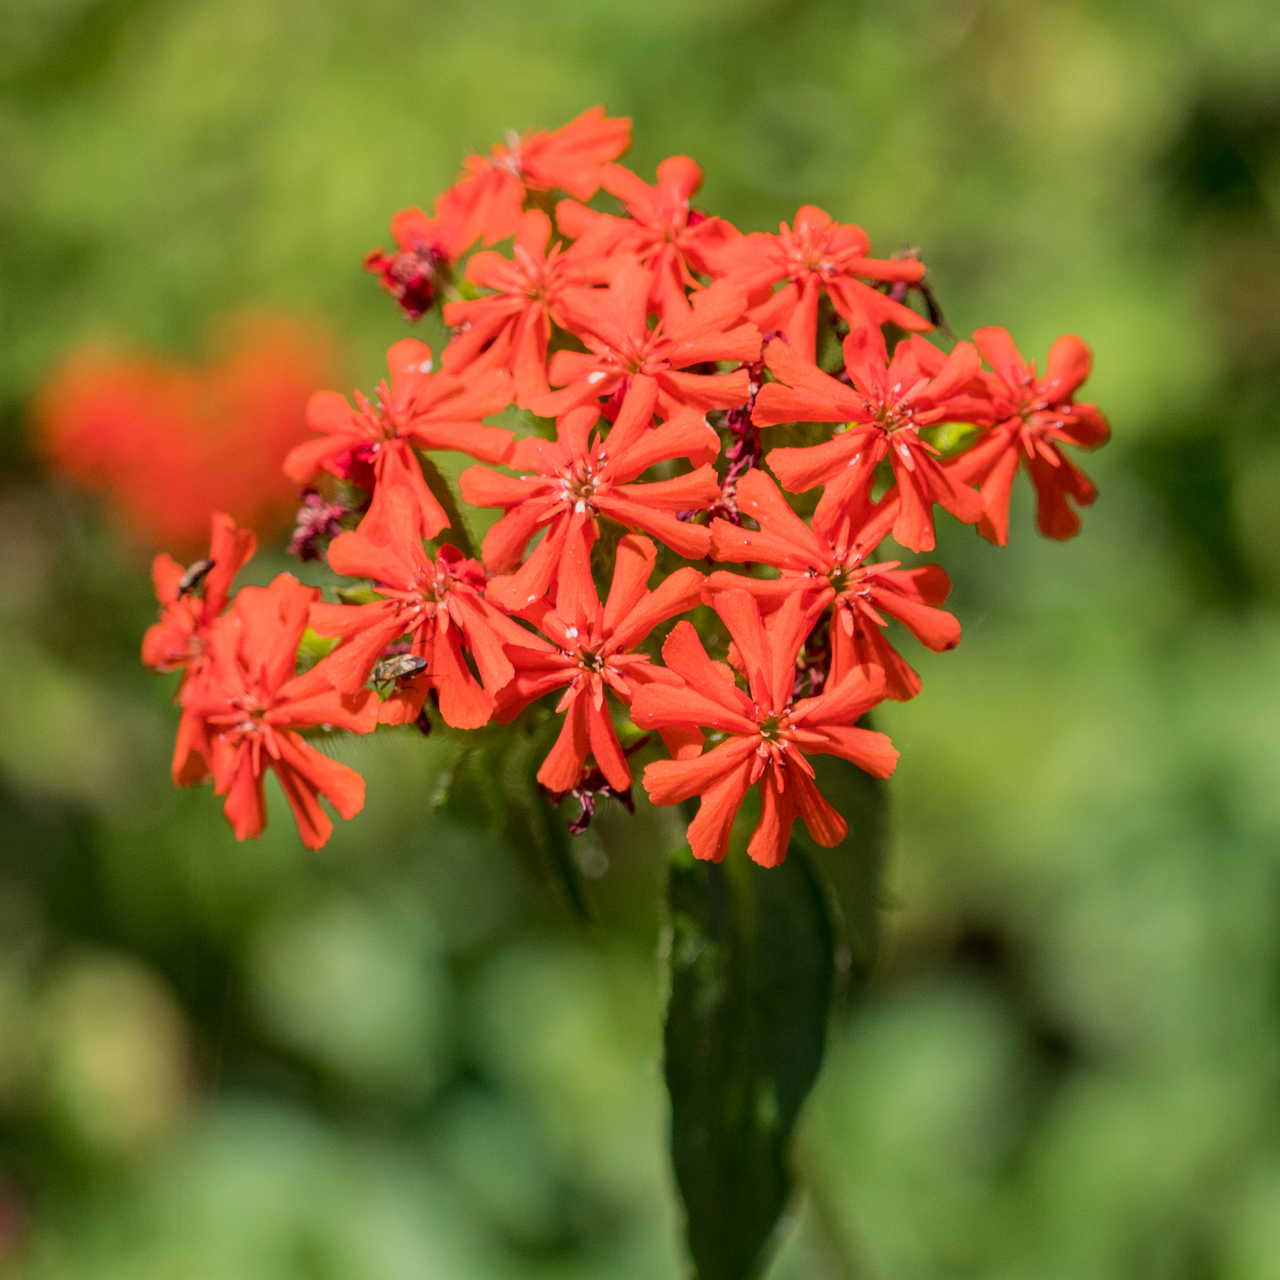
x,y
598,376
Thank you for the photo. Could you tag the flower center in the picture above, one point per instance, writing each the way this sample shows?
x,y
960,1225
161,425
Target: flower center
x,y
187,650
633,356
891,414
429,591
772,727
578,486
246,716
808,252
381,422
1043,415
591,661
848,579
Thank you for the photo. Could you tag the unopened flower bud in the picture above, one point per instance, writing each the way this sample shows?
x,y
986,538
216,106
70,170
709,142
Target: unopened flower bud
x,y
316,519
411,277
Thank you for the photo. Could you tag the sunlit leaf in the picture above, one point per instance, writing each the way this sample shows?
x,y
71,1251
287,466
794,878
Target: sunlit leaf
x,y
313,648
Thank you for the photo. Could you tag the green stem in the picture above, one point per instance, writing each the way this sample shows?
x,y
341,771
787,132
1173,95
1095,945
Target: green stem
x,y
831,1233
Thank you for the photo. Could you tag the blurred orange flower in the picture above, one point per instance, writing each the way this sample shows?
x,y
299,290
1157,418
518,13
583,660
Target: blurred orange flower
x,y
167,442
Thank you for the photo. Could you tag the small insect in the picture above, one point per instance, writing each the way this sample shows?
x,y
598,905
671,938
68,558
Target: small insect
x,y
194,576
404,666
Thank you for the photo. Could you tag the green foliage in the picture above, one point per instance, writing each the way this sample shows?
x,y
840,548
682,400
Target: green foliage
x,y
852,873
751,958
495,782
313,647
1065,1062
457,533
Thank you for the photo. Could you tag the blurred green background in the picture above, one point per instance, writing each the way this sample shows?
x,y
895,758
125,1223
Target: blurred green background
x,y
400,1057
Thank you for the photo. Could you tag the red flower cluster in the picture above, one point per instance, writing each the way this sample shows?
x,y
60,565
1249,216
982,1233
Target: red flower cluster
x,y
661,342
243,702
169,443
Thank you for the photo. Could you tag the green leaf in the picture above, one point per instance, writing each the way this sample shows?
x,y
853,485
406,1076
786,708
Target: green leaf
x,y
852,873
755,954
456,533
751,958
312,648
356,593
950,438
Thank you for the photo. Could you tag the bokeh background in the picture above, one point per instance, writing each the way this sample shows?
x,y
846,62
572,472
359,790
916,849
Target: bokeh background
x,y
401,1057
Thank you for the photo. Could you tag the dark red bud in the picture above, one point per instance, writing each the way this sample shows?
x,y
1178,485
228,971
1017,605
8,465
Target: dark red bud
x,y
316,519
410,277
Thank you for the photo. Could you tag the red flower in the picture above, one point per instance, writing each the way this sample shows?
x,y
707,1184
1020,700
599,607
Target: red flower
x,y
373,443
576,480
818,256
191,601
510,328
663,231
766,735
428,248
887,404
167,443
1034,416
591,653
253,705
613,324
438,603
833,570
491,192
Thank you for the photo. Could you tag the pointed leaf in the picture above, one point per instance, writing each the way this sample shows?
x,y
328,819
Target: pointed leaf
x,y
751,961
851,873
